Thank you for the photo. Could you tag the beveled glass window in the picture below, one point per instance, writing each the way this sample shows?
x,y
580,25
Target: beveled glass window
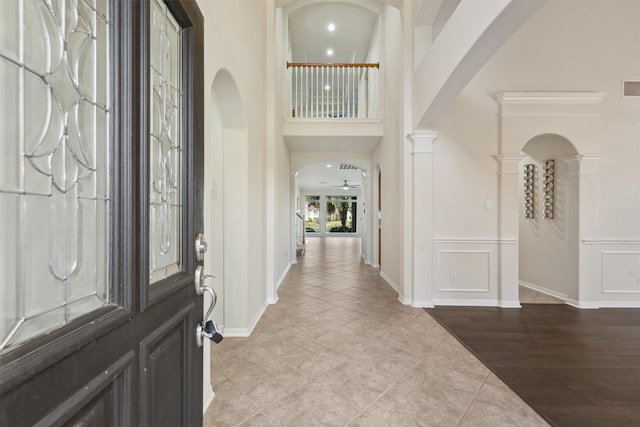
x,y
165,198
55,165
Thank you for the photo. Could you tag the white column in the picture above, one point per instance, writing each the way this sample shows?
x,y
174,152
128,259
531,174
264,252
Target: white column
x,y
587,168
508,230
422,218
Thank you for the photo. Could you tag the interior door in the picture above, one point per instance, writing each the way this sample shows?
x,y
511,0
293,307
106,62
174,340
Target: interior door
x,y
101,114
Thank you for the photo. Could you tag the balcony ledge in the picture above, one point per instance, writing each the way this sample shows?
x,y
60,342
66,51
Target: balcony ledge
x,y
332,135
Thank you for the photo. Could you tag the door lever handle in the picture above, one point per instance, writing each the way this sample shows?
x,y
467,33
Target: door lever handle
x,y
207,328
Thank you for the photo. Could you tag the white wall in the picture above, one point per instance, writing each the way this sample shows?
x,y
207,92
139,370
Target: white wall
x,y
567,46
386,154
284,201
239,49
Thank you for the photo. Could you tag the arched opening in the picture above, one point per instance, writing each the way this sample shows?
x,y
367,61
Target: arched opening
x,y
227,204
330,198
548,227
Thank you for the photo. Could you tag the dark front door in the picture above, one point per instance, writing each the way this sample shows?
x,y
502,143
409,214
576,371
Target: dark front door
x,y
101,176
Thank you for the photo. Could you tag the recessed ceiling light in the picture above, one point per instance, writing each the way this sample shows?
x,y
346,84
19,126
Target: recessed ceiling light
x,y
328,165
329,52
331,27
327,87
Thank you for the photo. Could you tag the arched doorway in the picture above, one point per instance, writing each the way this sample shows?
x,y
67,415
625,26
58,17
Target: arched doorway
x,y
227,203
548,231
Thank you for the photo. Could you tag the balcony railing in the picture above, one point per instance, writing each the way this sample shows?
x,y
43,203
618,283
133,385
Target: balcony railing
x,y
333,91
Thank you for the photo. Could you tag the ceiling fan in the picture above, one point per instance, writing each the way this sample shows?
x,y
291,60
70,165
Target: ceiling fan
x,y
346,186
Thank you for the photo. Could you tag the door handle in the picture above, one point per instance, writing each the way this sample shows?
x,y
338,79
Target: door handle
x,y
206,328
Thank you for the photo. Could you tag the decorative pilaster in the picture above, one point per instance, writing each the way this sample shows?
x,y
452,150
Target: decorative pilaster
x,y
422,281
583,175
508,229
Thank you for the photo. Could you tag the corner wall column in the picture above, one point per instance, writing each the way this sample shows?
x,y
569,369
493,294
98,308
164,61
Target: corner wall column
x,y
585,170
422,218
508,230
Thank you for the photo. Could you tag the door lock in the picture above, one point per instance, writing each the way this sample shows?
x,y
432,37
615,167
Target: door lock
x,y
210,330
201,247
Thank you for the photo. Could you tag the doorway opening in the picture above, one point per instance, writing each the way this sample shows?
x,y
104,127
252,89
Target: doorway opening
x,y
548,221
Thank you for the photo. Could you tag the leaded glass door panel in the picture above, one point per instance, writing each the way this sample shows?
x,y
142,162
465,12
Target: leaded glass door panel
x,y
100,199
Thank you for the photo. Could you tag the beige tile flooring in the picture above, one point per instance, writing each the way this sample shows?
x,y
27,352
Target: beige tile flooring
x,y
530,296
339,349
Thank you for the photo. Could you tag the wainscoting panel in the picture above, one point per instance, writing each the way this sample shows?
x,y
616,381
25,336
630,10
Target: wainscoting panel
x,y
465,272
610,273
621,272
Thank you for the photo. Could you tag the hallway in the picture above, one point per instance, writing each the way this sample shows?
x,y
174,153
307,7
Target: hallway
x,y
339,349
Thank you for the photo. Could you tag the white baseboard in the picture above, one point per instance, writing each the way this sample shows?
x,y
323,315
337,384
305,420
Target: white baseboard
x,y
422,304
282,276
404,300
619,304
510,304
544,290
467,302
582,304
391,283
208,399
246,332
375,265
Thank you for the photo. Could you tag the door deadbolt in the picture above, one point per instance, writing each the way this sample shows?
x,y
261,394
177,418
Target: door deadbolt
x,y
201,247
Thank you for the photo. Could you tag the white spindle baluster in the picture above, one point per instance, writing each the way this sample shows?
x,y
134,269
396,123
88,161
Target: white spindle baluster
x,y
343,91
306,92
299,109
296,112
349,91
333,74
322,100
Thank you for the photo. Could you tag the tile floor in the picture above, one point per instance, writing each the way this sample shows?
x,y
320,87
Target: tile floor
x,y
529,296
339,349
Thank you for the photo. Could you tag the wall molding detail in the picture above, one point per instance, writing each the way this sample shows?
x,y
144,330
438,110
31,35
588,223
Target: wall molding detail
x,y
475,241
549,98
610,242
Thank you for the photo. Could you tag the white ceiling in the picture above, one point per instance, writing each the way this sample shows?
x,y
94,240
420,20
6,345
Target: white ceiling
x,y
310,38
319,176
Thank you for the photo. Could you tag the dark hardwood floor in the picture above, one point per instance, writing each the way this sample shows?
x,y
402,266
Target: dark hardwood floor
x,y
574,367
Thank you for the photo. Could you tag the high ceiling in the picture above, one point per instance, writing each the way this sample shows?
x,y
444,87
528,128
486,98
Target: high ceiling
x,y
350,40
319,176
355,28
